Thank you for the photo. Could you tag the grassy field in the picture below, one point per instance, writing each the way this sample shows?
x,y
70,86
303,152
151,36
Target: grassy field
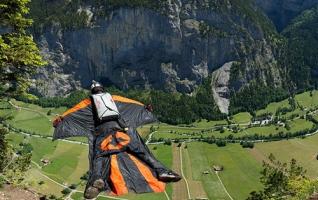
x,y
239,167
68,161
306,100
32,121
204,124
272,107
303,150
242,118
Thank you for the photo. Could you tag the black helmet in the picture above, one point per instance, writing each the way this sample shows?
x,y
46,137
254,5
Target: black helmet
x,y
96,87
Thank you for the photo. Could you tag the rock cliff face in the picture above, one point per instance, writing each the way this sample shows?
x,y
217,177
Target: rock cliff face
x,y
172,48
166,44
283,11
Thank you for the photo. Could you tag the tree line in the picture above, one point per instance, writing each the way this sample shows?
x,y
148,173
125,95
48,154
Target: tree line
x,y
172,108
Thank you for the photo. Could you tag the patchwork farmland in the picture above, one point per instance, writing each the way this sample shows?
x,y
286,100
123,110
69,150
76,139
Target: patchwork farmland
x,y
68,163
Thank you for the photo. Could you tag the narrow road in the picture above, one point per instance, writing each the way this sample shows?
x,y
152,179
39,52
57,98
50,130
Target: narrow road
x,y
150,136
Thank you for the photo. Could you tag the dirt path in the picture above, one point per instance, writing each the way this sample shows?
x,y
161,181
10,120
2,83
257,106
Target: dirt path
x,y
225,190
150,136
182,173
179,188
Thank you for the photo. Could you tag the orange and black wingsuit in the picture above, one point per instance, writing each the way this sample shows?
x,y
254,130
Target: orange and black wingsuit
x,y
130,166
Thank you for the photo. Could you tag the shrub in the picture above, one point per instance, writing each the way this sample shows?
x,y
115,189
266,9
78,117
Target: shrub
x,y
41,182
168,142
52,196
220,143
73,186
85,176
66,191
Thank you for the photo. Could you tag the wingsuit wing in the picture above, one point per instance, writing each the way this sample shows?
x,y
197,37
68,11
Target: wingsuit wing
x,y
133,112
77,121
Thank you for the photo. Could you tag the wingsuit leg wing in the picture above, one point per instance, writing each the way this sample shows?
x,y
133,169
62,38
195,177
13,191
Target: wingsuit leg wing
x,y
138,148
121,170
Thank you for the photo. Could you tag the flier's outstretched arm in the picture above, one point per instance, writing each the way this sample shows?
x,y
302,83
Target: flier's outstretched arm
x,y
77,121
134,112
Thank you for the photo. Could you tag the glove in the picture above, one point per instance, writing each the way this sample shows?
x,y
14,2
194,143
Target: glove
x,y
57,121
149,108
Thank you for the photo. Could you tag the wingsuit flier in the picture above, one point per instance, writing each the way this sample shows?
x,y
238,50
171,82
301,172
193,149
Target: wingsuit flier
x,y
119,159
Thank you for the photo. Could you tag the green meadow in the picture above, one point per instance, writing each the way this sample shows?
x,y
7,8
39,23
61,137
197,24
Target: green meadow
x,y
240,175
303,150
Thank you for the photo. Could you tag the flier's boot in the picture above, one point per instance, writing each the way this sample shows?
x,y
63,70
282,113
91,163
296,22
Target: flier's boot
x,y
169,176
93,191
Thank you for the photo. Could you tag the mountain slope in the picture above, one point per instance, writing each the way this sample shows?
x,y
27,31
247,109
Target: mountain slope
x,y
301,52
283,11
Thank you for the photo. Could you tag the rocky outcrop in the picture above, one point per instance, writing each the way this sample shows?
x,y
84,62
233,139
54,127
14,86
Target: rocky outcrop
x,y
221,87
54,80
283,11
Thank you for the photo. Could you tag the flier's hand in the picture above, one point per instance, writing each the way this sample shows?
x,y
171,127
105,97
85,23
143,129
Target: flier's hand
x,y
57,121
149,107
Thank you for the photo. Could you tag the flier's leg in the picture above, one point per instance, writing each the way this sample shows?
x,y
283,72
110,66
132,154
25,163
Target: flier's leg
x,y
102,170
98,171
138,148
98,178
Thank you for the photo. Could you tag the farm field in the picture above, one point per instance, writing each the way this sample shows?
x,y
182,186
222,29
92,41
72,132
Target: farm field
x,y
303,150
239,167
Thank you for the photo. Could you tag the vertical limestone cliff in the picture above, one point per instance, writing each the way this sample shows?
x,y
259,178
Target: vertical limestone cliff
x,y
171,45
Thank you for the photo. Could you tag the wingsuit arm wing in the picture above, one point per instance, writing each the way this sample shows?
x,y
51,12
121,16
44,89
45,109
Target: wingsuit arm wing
x,y
77,121
133,112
